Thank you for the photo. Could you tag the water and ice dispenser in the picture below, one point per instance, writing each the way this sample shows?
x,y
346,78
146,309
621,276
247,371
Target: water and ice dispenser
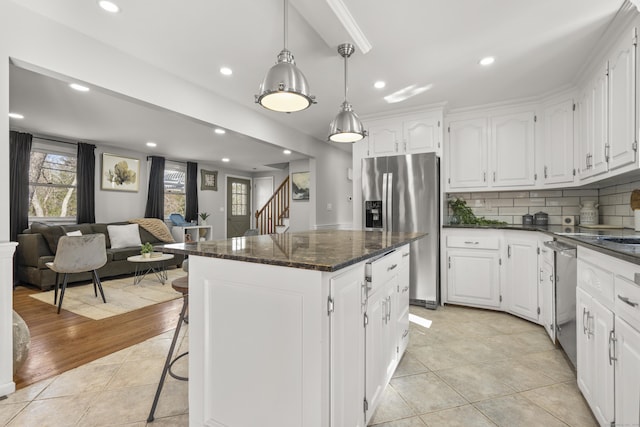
x,y
373,213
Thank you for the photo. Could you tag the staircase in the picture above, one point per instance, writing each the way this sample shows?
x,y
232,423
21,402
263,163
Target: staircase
x,y
273,217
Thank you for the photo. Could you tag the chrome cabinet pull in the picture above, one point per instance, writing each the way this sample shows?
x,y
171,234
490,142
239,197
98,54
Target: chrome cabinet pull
x,y
389,309
541,273
545,172
612,346
468,242
405,333
627,301
405,289
484,177
392,267
584,323
590,318
406,254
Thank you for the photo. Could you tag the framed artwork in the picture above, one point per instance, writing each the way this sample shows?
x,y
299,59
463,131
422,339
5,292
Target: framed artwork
x,y
208,180
120,173
300,186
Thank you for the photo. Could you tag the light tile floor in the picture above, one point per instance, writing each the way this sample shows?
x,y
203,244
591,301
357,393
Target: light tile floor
x,y
471,368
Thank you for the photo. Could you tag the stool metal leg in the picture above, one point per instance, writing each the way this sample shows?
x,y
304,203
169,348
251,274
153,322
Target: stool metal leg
x,y
168,362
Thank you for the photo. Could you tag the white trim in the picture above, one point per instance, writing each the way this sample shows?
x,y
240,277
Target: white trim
x,y
7,386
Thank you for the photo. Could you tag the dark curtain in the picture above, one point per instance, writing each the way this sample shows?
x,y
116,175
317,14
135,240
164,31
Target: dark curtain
x,y
155,198
86,188
19,157
191,209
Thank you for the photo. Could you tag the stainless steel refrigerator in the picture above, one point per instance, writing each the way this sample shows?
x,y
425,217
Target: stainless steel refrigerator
x,y
401,193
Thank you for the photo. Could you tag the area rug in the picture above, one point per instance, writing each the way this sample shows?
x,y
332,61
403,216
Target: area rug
x,y
121,294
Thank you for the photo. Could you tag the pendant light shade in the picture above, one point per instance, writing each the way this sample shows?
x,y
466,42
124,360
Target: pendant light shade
x,y
285,88
346,127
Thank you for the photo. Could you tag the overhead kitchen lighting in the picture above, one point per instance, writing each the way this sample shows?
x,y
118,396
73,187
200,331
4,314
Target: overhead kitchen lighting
x,y
379,84
287,152
487,60
226,160
151,144
79,88
226,71
16,116
109,6
406,93
346,127
285,88
219,131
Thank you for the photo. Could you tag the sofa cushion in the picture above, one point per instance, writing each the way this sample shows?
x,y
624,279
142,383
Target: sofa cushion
x,y
51,234
122,253
43,260
124,236
102,228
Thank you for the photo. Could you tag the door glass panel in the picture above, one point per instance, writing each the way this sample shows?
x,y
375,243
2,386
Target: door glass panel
x,y
239,199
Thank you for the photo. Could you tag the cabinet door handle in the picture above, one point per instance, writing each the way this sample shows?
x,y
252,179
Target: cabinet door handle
x,y
545,172
612,346
494,176
389,309
541,273
391,267
590,318
469,242
384,310
405,333
406,254
509,251
405,289
606,152
627,301
584,322
484,177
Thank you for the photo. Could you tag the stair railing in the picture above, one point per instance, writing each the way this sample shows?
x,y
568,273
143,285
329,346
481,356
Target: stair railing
x,y
275,210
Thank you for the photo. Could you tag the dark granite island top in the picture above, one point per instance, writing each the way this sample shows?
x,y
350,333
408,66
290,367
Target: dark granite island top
x,y
324,250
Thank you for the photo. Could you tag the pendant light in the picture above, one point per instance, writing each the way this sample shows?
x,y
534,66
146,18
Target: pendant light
x,y
346,127
284,88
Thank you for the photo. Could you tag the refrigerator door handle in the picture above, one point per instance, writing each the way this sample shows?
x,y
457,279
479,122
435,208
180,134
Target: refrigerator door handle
x,y
389,200
384,200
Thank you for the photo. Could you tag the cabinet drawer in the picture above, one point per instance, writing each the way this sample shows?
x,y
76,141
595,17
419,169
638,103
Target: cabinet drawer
x,y
628,301
596,281
381,270
475,242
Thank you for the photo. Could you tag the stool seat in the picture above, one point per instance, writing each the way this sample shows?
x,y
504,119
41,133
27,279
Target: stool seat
x,y
181,284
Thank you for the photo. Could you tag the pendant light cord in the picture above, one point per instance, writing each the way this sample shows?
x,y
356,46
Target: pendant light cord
x,y
346,75
286,25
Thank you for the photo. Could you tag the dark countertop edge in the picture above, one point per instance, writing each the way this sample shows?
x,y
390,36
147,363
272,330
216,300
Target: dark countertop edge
x,y
185,250
579,240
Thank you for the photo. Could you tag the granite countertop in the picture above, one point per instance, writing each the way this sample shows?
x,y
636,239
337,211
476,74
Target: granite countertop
x,y
591,238
324,250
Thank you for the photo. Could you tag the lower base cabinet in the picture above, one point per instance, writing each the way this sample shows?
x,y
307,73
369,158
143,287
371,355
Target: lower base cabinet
x,y
627,374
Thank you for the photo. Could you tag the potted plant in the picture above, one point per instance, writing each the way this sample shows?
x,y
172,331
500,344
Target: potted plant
x,y
203,218
146,250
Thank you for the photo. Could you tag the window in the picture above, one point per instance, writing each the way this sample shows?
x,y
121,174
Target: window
x,y
175,197
52,184
239,199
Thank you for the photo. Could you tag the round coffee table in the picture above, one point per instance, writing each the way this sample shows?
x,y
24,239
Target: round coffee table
x,y
154,264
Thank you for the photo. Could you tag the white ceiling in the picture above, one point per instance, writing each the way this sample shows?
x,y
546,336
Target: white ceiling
x,y
539,46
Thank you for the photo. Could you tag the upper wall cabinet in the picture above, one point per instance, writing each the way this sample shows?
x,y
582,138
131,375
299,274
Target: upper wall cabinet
x,y
415,133
557,154
492,152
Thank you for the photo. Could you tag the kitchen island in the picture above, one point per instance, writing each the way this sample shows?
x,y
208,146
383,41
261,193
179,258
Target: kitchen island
x,y
289,330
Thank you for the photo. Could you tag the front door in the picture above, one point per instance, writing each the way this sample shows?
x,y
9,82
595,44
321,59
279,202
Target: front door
x,y
238,206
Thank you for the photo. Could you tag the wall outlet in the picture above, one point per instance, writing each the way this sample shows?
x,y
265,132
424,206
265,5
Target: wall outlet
x,y
329,206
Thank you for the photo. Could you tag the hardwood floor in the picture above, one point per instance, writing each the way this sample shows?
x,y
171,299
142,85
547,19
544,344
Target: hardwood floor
x,y
60,342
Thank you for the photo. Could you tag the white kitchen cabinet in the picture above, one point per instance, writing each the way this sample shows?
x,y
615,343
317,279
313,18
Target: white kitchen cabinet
x,y
522,275
621,141
546,287
473,270
409,134
512,149
347,349
557,155
627,374
593,115
402,325
467,157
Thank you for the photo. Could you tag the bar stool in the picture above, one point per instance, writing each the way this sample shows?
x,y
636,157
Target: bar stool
x,y
181,285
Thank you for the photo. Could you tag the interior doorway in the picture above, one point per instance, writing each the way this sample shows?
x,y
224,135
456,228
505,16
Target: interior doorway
x,y
238,206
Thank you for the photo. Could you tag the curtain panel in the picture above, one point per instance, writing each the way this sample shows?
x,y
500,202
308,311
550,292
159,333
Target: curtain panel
x,y
191,208
155,197
19,159
86,188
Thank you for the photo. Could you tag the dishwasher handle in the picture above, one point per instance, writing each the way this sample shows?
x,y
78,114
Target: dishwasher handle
x,y
561,248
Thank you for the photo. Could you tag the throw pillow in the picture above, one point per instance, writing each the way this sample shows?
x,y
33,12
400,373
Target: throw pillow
x,y
124,236
74,233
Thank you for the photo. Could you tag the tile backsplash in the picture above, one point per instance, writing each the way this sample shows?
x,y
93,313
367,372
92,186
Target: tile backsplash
x,y
509,206
614,204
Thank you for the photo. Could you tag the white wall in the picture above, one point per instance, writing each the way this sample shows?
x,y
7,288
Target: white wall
x,y
333,188
302,212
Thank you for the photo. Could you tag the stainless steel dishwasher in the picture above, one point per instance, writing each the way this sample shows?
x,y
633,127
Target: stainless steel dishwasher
x,y
565,268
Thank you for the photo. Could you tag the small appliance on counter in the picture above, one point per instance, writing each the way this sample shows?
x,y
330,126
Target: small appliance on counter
x,y
541,218
527,219
570,220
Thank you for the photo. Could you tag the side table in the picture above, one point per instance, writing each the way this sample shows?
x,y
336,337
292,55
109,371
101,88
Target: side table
x,y
154,264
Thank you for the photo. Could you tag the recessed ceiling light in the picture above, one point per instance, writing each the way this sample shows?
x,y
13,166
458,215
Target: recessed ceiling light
x,y
487,60
287,151
224,159
151,144
78,87
16,116
226,71
109,6
379,84
219,131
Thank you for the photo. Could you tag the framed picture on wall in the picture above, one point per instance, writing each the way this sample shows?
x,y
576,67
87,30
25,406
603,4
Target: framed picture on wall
x,y
300,186
208,180
120,173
